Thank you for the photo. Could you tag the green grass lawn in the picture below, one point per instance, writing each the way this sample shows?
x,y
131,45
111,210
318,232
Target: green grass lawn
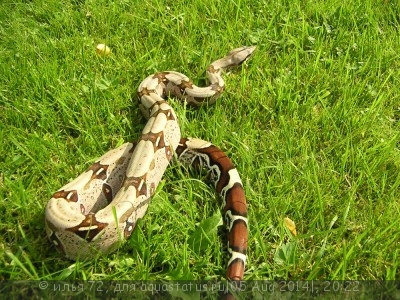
x,y
311,121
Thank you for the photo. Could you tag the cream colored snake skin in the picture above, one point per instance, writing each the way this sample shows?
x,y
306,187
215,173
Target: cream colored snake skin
x,y
96,211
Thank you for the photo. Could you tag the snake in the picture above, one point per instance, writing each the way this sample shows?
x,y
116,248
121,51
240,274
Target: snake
x,y
97,211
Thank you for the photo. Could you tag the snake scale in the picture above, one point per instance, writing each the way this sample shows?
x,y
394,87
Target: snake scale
x,y
100,208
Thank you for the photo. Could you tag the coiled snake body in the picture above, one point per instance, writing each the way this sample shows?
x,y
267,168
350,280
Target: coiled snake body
x,y
100,208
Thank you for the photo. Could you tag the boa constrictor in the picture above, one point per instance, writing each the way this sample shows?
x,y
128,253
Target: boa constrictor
x,y
98,209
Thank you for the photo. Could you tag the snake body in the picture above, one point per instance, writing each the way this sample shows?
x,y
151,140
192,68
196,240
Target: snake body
x,y
100,208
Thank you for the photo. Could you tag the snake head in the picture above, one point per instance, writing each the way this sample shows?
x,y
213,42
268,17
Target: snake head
x,y
241,54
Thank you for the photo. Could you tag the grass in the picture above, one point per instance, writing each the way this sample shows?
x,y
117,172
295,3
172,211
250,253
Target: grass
x,y
312,123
